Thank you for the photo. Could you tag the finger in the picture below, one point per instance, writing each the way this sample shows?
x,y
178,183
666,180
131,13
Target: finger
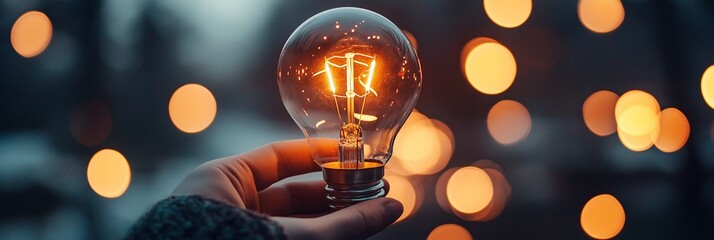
x,y
279,160
299,229
361,220
294,198
301,199
298,199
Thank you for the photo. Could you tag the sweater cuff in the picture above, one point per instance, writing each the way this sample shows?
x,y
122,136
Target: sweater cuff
x,y
196,217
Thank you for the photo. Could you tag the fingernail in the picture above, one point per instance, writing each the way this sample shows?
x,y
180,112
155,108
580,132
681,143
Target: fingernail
x,y
393,208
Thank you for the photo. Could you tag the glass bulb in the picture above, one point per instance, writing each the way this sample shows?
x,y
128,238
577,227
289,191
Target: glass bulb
x,y
349,77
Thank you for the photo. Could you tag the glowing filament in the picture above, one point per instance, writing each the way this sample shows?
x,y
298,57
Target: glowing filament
x,y
329,77
350,62
368,86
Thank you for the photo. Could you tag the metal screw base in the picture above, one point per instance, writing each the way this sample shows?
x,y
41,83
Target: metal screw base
x,y
346,187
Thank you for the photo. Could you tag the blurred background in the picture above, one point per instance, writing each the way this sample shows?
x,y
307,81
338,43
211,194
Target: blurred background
x,y
513,137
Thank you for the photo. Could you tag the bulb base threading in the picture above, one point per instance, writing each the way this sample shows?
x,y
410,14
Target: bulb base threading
x,y
346,187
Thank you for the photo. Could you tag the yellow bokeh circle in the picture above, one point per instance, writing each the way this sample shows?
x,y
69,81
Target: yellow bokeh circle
x,y
508,13
508,122
31,34
638,119
192,108
402,190
422,146
449,232
708,86
473,43
469,190
599,113
673,131
636,112
637,116
108,173
601,16
602,217
637,143
490,68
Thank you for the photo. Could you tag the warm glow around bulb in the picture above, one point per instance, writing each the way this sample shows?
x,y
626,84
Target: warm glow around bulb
x,y
508,122
490,68
602,217
31,34
469,190
108,173
601,16
192,108
708,86
365,165
599,113
367,150
508,13
673,132
449,232
402,190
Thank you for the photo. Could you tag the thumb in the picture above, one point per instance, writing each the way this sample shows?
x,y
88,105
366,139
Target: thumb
x,y
362,220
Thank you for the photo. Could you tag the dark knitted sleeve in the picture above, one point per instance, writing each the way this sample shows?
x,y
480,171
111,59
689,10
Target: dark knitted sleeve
x,y
195,217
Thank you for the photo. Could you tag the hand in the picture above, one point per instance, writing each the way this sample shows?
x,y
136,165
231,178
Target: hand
x,y
246,181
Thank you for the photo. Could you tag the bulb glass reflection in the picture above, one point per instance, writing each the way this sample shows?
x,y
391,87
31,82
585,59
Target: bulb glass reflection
x,y
349,75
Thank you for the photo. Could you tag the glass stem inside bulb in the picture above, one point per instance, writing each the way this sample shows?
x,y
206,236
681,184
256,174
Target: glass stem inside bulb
x,y
350,57
351,153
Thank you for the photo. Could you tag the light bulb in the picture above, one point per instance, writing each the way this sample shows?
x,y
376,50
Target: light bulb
x,y
349,78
